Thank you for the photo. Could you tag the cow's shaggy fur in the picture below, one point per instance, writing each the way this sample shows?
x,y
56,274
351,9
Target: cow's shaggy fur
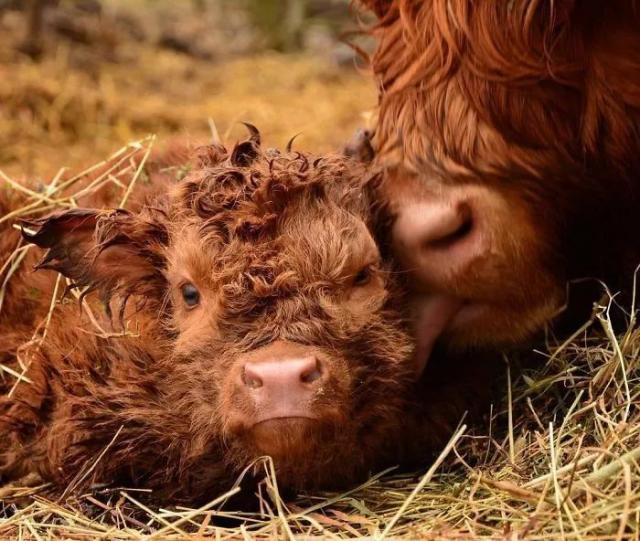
x,y
529,112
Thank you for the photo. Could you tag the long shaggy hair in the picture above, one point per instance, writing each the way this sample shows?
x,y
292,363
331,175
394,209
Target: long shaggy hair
x,y
538,101
538,72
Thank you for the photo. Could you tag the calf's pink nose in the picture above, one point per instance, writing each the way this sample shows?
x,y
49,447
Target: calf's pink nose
x,y
281,381
294,375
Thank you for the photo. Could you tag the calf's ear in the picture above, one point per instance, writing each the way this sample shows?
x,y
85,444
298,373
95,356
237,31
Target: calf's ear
x,y
112,252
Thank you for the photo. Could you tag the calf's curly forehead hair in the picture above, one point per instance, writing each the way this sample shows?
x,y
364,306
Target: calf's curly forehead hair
x,y
241,204
237,200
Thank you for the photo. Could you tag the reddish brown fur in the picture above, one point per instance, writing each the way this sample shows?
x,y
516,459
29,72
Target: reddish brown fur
x,y
273,242
535,105
27,294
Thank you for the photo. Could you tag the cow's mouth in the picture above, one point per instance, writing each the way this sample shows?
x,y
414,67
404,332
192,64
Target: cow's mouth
x,y
463,324
468,314
433,315
280,422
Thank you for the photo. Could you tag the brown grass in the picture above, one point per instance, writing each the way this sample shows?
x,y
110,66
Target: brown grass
x,y
59,112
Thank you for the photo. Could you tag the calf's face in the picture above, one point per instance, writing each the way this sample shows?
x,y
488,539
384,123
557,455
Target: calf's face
x,y
279,320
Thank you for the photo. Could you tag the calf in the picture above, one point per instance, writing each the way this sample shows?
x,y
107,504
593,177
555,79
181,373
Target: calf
x,y
249,312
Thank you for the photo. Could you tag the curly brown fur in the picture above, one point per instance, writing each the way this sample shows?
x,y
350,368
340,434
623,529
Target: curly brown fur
x,y
27,295
281,252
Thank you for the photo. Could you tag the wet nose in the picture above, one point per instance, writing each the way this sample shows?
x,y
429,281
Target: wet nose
x,y
282,380
282,375
283,387
437,236
433,225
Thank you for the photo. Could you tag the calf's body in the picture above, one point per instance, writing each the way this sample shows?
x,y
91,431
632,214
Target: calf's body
x,y
248,312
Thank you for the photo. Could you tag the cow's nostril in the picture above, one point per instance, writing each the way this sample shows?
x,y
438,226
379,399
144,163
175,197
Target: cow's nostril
x,y
431,227
312,373
461,230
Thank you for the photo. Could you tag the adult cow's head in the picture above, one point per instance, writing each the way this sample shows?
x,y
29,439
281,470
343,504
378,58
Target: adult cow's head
x,y
510,132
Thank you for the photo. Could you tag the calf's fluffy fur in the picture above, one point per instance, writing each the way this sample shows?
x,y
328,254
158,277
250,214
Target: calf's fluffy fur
x,y
279,248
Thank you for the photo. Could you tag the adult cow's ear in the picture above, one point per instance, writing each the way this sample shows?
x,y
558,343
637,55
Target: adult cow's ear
x,y
359,146
379,7
112,252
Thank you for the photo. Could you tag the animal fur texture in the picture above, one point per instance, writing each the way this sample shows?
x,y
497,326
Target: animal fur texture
x,y
519,123
281,250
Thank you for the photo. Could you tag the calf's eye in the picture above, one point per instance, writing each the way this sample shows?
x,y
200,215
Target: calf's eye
x,y
363,277
190,294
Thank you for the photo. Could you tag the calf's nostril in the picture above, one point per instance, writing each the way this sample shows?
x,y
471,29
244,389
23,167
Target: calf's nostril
x,y
311,373
251,378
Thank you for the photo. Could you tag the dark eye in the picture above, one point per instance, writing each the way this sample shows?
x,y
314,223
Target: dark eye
x,y
190,294
363,277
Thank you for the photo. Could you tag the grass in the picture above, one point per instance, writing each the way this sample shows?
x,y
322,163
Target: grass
x,y
559,456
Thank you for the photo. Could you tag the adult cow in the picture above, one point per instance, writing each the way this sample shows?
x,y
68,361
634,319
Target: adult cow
x,y
510,133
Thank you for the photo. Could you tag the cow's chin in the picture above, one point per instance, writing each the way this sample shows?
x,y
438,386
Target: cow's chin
x,y
284,436
488,326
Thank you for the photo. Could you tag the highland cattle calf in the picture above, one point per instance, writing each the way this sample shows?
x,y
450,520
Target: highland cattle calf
x,y
261,319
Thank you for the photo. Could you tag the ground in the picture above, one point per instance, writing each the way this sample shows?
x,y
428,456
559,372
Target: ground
x,y
559,454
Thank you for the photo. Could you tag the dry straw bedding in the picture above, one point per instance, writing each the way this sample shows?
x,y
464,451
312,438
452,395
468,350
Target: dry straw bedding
x,y
559,456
